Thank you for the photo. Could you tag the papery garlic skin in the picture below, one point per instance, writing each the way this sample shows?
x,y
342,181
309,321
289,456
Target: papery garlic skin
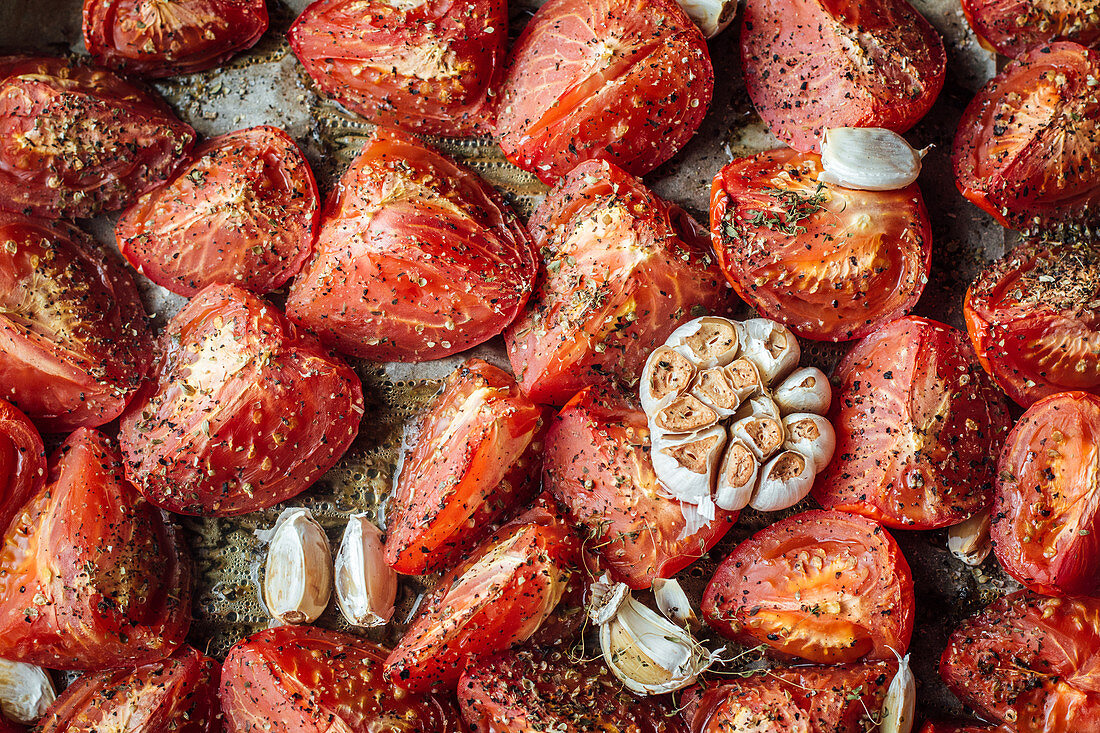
x,y
712,16
667,374
970,541
899,708
805,390
708,342
785,481
297,580
868,158
366,587
772,347
26,691
812,435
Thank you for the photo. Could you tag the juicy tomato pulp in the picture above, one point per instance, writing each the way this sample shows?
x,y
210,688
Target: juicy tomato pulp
x,y
918,428
91,576
301,679
417,258
74,344
178,694
623,270
425,66
1046,510
628,82
22,462
1034,320
1026,149
1015,26
1030,661
597,464
180,37
811,65
245,412
832,263
474,458
77,141
244,212
825,586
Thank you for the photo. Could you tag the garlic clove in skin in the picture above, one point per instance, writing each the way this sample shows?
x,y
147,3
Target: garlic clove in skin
x,y
685,414
667,375
763,435
811,435
712,16
744,377
737,477
674,603
714,389
297,580
366,586
759,406
772,347
869,159
26,691
805,390
687,465
899,708
785,481
604,599
708,341
970,541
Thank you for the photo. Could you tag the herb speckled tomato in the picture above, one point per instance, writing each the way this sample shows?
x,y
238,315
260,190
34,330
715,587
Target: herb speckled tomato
x,y
1015,26
22,461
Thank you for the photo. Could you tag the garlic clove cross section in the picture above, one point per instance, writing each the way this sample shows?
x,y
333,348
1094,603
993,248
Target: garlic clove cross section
x,y
737,477
685,414
714,388
869,159
687,465
667,374
297,580
366,586
772,347
785,481
708,341
763,435
811,435
26,691
744,378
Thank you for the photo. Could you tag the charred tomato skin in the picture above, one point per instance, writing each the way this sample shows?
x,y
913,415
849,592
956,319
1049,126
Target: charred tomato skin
x,y
302,679
829,262
431,67
22,461
627,82
74,342
1033,319
622,269
245,410
949,726
804,77
78,141
1013,27
919,425
417,258
185,37
93,576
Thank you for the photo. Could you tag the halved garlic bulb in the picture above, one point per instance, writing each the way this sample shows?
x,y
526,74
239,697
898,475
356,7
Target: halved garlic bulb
x,y
763,435
687,465
708,341
772,347
366,586
899,708
868,158
674,603
714,389
712,16
667,374
811,435
744,377
684,414
298,571
26,691
970,541
805,390
785,481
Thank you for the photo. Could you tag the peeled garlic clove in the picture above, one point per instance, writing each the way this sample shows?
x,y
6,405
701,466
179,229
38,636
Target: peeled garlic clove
x,y
744,377
811,435
736,477
667,374
899,708
298,572
970,541
708,341
805,390
785,481
714,389
772,347
366,586
674,603
685,414
712,16
687,465
26,691
868,158
763,435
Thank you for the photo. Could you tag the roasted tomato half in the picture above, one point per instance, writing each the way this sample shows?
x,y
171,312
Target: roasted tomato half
x,y
417,258
1046,510
918,425
301,679
1034,319
1015,26
527,691
841,699
22,462
170,37
496,599
177,694
91,575
74,344
1030,661
832,263
429,66
825,586
77,141
245,411
475,456
1027,148
597,464
944,726
623,270
811,65
627,82
244,212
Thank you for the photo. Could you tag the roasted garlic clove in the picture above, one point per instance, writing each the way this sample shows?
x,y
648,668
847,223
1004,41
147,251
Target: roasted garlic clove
x,y
970,540
772,347
714,388
366,586
667,374
685,414
604,599
811,435
763,435
785,481
674,603
712,16
899,708
805,390
26,692
737,477
759,406
298,572
868,158
744,377
708,341
686,466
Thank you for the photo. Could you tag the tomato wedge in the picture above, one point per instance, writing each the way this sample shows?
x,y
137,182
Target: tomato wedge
x,y
832,263
22,461
918,428
91,576
811,65
1015,26
1026,147
244,213
302,679
1031,662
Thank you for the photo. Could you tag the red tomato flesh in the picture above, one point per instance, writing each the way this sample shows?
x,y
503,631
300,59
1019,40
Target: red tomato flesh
x,y
1015,26
22,461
